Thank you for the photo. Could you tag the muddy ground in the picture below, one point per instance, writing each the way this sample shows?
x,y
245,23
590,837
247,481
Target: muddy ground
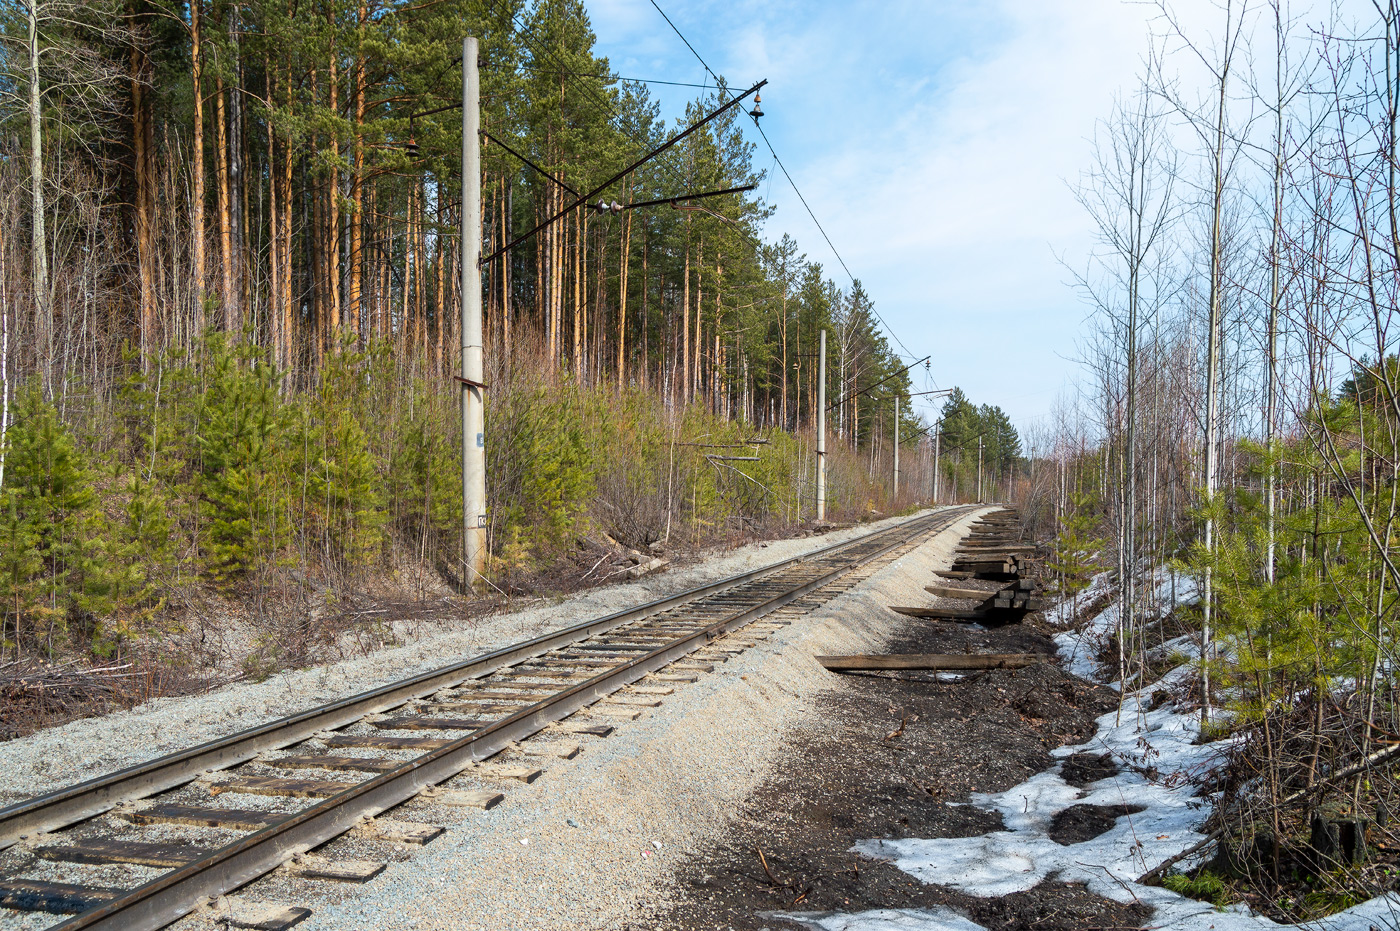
x,y
899,757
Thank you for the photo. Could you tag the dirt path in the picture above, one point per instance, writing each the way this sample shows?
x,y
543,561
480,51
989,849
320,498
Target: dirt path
x,y
884,757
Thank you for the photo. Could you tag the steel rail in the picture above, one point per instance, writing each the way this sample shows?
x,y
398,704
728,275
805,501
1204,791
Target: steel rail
x,y
72,804
169,897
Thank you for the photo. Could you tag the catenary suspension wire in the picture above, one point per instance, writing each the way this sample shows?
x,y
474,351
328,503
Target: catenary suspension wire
x,y
606,109
608,112
686,41
798,191
786,174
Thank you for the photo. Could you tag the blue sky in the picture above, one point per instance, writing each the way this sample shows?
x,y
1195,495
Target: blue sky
x,y
934,141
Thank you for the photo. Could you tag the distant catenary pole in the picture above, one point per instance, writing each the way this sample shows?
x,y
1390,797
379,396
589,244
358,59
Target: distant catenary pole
x,y
821,430
896,447
937,439
979,468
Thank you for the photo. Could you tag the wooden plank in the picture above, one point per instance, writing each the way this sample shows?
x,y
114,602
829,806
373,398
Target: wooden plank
x,y
398,832
934,661
976,564
478,709
953,575
625,714
238,912
387,742
529,695
948,591
638,702
579,727
33,895
105,850
360,764
462,798
420,722
946,614
230,819
273,785
525,774
564,751
346,871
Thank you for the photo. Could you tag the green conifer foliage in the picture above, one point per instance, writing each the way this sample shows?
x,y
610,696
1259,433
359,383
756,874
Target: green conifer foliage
x,y
242,432
52,565
344,485
20,562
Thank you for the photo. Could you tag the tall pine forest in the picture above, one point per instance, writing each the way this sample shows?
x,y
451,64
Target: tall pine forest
x,y
229,293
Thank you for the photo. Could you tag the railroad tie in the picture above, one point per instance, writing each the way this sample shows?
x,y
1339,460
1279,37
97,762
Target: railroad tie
x,y
462,798
525,774
564,751
273,785
309,866
104,850
398,832
239,912
35,895
229,819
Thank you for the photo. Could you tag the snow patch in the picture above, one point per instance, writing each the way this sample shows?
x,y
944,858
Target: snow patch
x,y
1158,758
939,918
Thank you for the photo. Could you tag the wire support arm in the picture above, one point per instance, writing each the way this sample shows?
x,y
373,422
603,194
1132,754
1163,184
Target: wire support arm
x,y
685,197
537,168
624,173
834,404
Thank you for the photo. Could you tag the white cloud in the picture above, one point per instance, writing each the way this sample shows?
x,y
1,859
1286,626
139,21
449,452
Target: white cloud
x,y
934,141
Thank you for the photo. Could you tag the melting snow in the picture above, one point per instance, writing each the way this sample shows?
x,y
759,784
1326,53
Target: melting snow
x,y
940,918
1144,742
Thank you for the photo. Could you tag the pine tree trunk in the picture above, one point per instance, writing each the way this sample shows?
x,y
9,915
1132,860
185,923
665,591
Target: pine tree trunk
x,y
577,257
646,318
357,192
140,141
236,179
683,386
699,302
38,242
332,195
320,325
197,168
288,319
274,245
440,290
625,245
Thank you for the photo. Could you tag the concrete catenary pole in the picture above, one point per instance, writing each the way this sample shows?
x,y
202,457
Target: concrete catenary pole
x,y
821,430
473,406
979,468
896,448
937,441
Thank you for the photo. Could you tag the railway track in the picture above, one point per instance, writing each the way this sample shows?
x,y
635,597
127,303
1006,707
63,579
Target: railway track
x,y
309,778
